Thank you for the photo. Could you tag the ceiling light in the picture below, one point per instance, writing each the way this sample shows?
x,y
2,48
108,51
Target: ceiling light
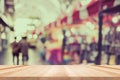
x,y
118,28
115,19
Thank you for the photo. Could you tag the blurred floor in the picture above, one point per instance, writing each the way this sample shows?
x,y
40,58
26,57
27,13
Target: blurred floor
x,y
6,58
34,58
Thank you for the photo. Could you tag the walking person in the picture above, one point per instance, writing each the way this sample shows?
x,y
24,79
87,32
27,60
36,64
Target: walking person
x,y
117,52
108,49
63,43
109,44
24,49
85,53
15,50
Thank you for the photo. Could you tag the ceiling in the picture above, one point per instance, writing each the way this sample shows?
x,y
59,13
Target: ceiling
x,y
47,11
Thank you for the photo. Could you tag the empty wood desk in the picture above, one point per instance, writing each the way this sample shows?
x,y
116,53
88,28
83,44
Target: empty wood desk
x,y
60,72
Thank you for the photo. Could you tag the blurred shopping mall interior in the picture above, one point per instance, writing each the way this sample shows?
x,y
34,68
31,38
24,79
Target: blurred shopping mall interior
x,y
60,32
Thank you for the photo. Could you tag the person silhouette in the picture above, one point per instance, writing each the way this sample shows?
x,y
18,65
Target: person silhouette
x,y
15,50
24,49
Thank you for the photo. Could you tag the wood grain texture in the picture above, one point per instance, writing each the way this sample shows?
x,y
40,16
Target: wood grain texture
x,y
60,72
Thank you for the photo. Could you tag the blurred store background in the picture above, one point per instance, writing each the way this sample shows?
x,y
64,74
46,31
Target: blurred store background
x,y
61,31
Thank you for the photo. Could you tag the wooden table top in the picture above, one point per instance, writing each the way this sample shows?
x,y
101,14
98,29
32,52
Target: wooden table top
x,y
60,72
